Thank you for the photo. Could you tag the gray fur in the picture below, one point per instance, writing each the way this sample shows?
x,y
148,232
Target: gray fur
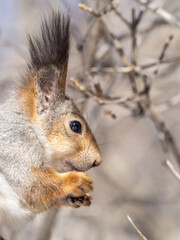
x,y
19,146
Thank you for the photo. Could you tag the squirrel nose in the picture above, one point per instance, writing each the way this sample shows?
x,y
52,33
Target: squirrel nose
x,y
97,162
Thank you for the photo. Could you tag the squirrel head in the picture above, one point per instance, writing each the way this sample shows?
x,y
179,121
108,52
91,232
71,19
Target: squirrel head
x,y
71,143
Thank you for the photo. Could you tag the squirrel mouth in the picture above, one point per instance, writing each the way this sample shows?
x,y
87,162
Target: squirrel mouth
x,y
67,166
70,167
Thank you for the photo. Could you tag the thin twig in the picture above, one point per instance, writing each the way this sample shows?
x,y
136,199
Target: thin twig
x,y
119,14
160,12
172,168
136,228
149,80
161,126
132,75
161,56
137,68
156,23
102,12
165,47
103,99
116,43
168,60
117,70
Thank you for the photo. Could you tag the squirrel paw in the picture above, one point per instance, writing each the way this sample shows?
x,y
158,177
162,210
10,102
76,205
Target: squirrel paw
x,y
77,202
77,184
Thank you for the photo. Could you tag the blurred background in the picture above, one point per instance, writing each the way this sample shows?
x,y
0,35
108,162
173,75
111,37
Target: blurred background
x,y
128,63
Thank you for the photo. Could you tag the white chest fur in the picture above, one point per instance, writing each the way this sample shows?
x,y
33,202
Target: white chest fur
x,y
11,211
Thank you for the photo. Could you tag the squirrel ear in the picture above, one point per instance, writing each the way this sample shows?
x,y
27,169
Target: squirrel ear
x,y
50,88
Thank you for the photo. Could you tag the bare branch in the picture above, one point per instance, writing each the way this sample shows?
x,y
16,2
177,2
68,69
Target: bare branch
x,y
137,68
160,12
119,14
102,12
161,126
165,47
161,56
118,69
116,44
136,228
168,60
172,169
102,100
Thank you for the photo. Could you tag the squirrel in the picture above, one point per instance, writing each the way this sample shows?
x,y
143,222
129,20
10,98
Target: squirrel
x,y
45,143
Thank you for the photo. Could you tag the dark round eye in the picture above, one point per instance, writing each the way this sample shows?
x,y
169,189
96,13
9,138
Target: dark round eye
x,y
76,126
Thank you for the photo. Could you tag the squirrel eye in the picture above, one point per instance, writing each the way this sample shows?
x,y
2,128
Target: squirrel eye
x,y
76,126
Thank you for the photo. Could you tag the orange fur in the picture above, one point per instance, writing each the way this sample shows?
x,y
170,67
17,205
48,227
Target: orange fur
x,y
27,95
65,144
56,133
48,185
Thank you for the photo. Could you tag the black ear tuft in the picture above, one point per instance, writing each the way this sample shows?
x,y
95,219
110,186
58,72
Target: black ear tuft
x,y
51,46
